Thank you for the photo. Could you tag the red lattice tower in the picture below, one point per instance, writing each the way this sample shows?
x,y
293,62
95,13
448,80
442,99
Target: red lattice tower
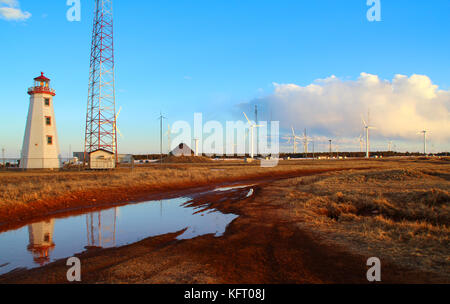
x,y
101,132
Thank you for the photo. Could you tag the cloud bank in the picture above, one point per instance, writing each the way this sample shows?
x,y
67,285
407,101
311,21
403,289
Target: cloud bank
x,y
10,10
333,107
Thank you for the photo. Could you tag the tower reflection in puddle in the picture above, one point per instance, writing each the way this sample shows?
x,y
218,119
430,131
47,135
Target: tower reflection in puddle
x,y
101,228
41,241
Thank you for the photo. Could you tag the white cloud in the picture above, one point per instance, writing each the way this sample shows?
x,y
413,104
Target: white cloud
x,y
333,107
10,10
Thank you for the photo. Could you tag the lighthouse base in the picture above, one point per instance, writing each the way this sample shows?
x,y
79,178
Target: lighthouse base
x,y
40,163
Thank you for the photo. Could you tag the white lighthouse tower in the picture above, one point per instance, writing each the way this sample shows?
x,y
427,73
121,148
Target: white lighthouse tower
x,y
40,148
41,241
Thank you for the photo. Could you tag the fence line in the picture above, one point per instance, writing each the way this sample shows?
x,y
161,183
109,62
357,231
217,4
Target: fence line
x,y
62,164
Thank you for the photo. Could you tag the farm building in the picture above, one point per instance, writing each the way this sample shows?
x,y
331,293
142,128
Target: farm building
x,y
182,150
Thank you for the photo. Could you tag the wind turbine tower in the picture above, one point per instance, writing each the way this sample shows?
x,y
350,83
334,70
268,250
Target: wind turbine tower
x,y
305,142
367,127
424,132
196,141
252,126
101,129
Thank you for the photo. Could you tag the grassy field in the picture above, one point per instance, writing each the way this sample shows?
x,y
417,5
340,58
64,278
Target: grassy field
x,y
315,227
399,213
24,187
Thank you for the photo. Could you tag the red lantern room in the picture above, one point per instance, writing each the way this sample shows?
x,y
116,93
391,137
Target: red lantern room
x,y
41,86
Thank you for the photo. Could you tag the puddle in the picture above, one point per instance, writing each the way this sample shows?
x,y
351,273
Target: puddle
x,y
233,188
41,243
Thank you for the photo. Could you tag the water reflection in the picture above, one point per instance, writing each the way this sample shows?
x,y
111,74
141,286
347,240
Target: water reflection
x,y
101,228
41,243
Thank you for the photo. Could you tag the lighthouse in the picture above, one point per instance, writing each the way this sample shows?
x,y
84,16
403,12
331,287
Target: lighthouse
x,y
41,241
40,148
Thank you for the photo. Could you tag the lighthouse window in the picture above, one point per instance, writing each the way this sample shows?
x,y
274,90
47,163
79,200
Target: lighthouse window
x,y
48,121
49,140
47,101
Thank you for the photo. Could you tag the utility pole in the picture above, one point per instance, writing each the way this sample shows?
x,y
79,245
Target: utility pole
x,y
257,131
161,118
3,156
305,143
331,152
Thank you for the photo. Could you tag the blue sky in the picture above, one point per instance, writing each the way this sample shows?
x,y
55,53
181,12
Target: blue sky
x,y
214,57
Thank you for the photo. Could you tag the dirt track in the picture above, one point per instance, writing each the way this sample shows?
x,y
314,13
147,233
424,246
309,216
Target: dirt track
x,y
263,245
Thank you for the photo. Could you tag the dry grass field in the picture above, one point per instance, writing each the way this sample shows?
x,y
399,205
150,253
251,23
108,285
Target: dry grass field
x,y
27,193
399,213
318,224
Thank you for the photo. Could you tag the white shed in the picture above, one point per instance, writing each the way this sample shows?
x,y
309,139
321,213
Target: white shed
x,y
102,160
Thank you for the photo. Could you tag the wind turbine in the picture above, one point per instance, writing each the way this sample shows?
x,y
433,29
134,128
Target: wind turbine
x,y
361,142
424,132
294,138
306,140
367,128
115,122
252,126
289,138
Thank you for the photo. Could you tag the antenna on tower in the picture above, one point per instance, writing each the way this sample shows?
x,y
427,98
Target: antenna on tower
x,y
101,129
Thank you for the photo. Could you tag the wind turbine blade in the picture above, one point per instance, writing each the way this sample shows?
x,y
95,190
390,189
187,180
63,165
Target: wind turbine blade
x,y
364,122
120,110
247,118
118,131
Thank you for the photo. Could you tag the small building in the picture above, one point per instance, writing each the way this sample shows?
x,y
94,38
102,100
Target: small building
x,y
182,150
102,160
125,158
80,156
